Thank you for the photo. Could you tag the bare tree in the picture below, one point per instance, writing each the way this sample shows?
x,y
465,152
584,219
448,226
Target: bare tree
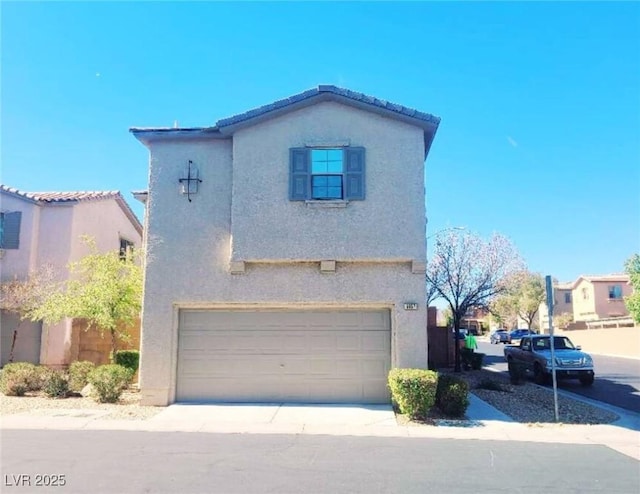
x,y
468,271
20,296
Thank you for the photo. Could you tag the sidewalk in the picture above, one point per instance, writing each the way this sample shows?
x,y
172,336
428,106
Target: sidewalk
x,y
484,422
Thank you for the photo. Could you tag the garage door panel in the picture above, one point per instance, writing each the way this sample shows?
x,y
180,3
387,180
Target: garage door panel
x,y
271,356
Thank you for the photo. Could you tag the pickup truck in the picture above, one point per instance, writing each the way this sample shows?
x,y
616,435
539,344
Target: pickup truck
x,y
533,354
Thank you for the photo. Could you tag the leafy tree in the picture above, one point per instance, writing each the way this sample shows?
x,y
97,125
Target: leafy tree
x,y
524,292
561,321
104,289
632,268
21,296
468,271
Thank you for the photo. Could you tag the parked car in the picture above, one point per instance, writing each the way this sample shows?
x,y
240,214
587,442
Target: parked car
x,y
463,333
517,334
500,336
534,356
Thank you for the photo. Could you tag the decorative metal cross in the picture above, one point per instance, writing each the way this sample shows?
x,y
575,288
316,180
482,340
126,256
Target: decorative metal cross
x,y
189,179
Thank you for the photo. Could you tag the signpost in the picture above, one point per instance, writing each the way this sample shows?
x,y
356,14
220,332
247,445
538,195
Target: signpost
x,y
552,345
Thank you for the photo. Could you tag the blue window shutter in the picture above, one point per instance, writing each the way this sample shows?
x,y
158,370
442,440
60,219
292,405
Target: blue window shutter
x,y
299,174
11,230
354,174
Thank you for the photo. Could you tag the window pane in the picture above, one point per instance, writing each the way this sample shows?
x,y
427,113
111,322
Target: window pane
x,y
318,167
334,180
334,192
320,181
334,167
319,155
334,155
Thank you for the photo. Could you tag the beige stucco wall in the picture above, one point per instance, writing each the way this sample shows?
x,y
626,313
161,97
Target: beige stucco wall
x,y
610,308
584,301
16,262
389,224
189,245
559,307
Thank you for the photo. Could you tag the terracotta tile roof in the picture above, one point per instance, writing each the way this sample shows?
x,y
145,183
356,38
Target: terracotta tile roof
x,y
76,196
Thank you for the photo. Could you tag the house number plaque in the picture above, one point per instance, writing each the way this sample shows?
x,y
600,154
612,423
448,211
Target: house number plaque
x,y
411,306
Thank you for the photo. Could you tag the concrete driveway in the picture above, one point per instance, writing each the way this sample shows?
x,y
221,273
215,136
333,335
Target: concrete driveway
x,y
276,417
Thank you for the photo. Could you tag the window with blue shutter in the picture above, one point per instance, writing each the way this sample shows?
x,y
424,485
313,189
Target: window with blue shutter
x,y
299,174
322,174
354,173
10,230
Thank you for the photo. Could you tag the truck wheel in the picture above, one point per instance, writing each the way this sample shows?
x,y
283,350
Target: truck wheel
x,y
538,375
587,380
514,377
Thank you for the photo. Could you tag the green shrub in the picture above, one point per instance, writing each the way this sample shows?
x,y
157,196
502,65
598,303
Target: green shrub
x,y
79,374
16,382
109,381
56,384
414,390
19,377
128,358
477,360
452,395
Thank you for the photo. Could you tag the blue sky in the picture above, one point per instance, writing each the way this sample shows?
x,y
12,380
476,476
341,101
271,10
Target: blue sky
x,y
540,102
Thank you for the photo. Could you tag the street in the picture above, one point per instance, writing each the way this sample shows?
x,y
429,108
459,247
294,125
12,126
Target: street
x,y
136,462
617,379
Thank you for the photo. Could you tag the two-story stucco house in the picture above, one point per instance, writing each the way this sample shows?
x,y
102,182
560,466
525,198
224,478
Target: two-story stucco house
x,y
293,268
589,298
40,228
600,297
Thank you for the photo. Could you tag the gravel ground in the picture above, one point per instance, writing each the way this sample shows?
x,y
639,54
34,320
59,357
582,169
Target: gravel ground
x,y
526,403
128,408
529,403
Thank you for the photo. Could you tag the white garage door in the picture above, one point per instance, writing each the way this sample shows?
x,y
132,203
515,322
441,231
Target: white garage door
x,y
284,356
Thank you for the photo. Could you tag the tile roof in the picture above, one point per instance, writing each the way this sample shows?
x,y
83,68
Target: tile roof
x,y
226,126
75,196
329,90
605,277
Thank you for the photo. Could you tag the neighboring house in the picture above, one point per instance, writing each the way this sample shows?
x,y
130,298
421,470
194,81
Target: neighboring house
x,y
476,319
600,297
39,228
282,274
589,298
563,304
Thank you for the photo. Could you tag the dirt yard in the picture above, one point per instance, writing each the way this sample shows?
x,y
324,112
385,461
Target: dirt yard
x,y
624,342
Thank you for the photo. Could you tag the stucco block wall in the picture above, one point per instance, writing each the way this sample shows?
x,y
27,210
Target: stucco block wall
x,y
94,346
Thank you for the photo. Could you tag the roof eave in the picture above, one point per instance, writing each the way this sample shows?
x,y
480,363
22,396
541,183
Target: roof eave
x,y
429,125
148,136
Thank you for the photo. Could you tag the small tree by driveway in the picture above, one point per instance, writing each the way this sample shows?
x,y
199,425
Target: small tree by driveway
x,y
105,289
